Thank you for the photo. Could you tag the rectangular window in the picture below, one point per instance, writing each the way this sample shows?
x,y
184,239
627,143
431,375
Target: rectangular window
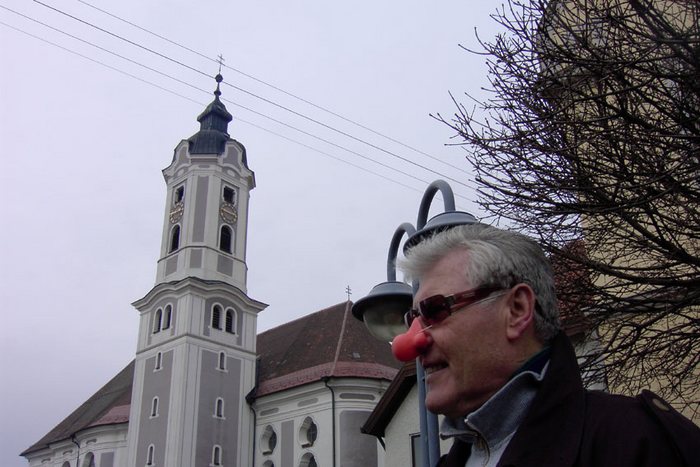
x,y
416,450
229,195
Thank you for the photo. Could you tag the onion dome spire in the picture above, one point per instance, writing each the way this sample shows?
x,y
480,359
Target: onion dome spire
x,y
213,126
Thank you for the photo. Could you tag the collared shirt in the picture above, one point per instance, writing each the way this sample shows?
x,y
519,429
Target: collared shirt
x,y
491,427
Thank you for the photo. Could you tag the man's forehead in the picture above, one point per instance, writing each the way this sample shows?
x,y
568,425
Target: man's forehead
x,y
445,277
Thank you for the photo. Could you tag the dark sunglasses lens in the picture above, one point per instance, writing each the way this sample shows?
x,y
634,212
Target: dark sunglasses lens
x,y
434,309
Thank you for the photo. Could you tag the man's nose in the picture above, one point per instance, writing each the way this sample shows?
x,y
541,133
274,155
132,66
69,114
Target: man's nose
x,y
409,345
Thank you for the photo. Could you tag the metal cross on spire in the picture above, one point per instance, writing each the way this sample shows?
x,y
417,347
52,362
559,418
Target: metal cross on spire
x,y
348,291
220,59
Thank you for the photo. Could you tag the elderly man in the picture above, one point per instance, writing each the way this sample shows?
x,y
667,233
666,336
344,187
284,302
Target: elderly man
x,y
505,376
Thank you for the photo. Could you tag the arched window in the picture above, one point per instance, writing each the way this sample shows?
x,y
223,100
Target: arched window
x,y
216,455
229,195
179,195
308,432
222,361
219,408
230,320
268,463
168,317
174,239
89,460
65,464
225,239
308,460
216,317
150,456
154,407
159,360
157,321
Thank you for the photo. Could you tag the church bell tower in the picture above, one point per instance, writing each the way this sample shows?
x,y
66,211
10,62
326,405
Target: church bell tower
x,y
195,359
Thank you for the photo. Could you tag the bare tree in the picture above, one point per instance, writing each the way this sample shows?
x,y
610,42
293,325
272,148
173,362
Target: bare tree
x,y
590,141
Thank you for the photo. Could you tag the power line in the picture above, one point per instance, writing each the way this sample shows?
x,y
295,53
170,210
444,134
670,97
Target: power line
x,y
203,104
224,99
272,86
255,95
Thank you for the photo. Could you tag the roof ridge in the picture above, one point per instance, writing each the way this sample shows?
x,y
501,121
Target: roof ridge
x,y
340,337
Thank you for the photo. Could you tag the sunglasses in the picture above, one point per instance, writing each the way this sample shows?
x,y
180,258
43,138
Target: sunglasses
x,y
437,308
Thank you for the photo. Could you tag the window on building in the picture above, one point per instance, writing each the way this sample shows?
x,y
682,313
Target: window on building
x,y
154,407
222,361
65,464
219,408
268,463
225,239
167,317
308,460
159,360
179,195
89,460
157,321
230,320
175,238
416,450
216,455
216,317
308,432
150,456
268,440
229,195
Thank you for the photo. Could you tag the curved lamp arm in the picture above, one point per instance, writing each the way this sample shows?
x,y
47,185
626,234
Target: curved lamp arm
x,y
447,196
404,228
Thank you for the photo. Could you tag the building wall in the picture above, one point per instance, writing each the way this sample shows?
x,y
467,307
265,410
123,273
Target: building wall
x,y
107,445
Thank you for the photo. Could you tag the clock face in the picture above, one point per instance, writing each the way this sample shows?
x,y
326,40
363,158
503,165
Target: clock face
x,y
228,212
176,212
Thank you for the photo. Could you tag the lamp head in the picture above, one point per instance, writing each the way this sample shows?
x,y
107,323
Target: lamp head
x,y
383,308
438,223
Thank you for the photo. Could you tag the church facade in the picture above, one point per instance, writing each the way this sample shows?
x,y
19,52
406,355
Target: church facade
x,y
204,388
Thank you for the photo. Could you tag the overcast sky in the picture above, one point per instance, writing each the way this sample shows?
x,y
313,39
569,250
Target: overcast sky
x,y
84,143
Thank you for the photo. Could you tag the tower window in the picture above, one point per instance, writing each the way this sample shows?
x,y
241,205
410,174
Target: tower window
x,y
150,455
216,455
154,407
219,408
175,239
225,239
179,194
157,321
159,360
230,320
222,361
216,317
167,317
229,195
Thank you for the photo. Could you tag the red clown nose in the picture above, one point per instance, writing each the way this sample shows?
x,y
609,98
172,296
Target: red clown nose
x,y
410,344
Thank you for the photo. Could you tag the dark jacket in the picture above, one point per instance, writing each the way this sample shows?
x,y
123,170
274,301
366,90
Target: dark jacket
x,y
567,425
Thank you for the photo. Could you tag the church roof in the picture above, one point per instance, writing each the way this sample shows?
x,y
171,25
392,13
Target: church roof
x,y
213,127
109,405
327,343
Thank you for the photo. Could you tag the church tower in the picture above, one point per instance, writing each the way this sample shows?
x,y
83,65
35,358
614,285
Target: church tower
x,y
195,358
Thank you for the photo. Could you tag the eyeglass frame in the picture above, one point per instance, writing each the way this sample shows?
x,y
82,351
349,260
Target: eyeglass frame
x,y
450,304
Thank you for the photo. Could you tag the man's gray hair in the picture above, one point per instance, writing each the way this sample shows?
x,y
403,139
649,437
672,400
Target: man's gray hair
x,y
497,258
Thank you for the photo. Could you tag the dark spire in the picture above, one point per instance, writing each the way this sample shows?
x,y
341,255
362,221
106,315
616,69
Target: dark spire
x,y
213,126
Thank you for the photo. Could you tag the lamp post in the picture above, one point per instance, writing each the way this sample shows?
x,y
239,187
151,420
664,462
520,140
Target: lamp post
x,y
383,308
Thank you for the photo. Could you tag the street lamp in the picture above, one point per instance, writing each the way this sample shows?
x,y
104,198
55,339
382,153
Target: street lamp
x,y
383,308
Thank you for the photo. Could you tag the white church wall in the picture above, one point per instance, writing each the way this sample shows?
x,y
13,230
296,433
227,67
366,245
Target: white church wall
x,y
107,444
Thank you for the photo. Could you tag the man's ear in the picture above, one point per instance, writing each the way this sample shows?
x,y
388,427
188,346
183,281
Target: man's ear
x,y
521,313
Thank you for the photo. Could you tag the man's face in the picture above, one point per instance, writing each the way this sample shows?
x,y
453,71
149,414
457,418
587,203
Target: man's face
x,y
466,360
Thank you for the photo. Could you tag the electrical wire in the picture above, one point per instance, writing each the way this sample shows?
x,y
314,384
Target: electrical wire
x,y
272,86
360,140
203,104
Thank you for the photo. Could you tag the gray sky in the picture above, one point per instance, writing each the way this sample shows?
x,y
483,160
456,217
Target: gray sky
x,y
83,146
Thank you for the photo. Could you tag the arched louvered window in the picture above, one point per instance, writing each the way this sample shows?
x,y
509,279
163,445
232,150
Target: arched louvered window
x,y
216,317
157,321
225,238
230,320
175,238
167,317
